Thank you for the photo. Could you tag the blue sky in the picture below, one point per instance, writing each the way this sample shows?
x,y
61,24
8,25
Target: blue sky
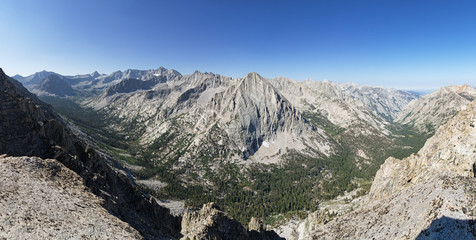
x,y
404,44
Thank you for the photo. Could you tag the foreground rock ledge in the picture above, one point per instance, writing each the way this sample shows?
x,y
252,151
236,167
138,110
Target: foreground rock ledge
x,y
42,199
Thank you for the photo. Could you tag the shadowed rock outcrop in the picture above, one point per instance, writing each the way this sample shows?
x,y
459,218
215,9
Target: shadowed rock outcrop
x,y
449,228
211,223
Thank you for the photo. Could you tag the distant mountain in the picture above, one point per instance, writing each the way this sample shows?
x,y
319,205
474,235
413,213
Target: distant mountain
x,y
355,114
77,82
54,85
386,102
104,81
382,102
432,110
133,80
33,79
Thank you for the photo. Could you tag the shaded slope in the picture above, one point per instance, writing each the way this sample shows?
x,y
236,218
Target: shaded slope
x,y
53,85
33,79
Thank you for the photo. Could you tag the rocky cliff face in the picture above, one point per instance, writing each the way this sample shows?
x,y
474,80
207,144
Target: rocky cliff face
x,y
255,115
443,208
433,110
450,151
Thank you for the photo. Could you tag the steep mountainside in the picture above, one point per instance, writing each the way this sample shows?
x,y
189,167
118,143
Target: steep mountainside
x,y
432,110
354,115
255,115
386,102
244,115
53,85
28,127
355,101
450,151
429,195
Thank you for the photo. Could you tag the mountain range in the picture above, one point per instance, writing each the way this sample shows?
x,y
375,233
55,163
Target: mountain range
x,y
260,148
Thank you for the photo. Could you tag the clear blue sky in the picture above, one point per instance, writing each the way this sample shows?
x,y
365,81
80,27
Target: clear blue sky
x,y
395,43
